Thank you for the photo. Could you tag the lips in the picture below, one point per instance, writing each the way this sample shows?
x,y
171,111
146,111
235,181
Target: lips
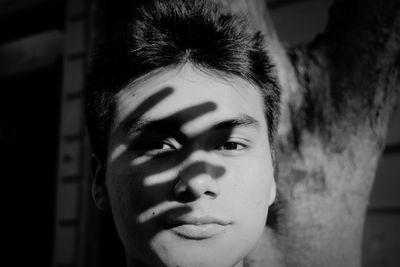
x,y
197,228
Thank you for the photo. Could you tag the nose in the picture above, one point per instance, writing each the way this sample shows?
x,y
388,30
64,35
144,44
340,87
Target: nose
x,y
198,179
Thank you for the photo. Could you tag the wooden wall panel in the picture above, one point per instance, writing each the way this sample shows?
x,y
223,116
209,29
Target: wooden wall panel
x,y
30,53
393,137
386,191
381,240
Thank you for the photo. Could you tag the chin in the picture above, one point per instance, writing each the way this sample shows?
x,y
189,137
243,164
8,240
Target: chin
x,y
185,259
221,251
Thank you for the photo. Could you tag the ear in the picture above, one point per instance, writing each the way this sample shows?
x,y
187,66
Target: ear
x,y
99,189
272,193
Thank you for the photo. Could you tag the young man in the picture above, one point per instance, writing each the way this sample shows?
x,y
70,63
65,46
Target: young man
x,y
182,113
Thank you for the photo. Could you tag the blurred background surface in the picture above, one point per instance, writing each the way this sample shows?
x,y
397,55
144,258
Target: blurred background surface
x,y
49,216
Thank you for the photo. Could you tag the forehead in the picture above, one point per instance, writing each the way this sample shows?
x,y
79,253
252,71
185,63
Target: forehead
x,y
182,89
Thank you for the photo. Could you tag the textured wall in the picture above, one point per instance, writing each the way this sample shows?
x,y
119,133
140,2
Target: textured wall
x,y
298,22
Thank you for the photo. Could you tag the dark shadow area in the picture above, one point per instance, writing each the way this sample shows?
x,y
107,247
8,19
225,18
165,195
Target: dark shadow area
x,y
29,121
19,18
104,246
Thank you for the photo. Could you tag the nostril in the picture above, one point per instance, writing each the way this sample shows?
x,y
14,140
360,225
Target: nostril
x,y
210,194
185,196
190,189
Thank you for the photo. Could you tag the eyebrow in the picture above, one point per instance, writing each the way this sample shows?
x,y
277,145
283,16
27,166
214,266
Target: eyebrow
x,y
243,120
137,126
172,126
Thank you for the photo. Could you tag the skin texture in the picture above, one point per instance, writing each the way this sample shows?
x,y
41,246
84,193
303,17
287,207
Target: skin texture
x,y
190,186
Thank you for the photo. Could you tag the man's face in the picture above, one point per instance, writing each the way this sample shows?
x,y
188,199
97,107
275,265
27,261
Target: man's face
x,y
189,175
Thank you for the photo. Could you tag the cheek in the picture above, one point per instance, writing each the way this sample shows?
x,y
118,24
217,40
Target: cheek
x,y
252,187
119,189
256,185
129,194
250,205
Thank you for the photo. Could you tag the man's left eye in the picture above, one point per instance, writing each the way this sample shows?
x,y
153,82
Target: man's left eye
x,y
232,146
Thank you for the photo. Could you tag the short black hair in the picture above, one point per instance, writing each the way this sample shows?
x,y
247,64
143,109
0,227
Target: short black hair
x,y
168,34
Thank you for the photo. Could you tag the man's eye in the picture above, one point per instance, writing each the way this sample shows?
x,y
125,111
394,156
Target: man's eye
x,y
232,146
158,146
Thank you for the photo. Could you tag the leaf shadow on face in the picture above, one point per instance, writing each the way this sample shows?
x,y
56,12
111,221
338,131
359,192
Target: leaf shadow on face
x,y
169,160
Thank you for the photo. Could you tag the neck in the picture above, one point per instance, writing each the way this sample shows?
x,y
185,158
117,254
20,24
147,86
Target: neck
x,y
137,263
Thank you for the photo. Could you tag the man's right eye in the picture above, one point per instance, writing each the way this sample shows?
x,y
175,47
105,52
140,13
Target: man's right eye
x,y
157,146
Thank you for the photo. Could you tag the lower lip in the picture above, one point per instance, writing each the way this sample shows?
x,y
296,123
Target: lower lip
x,y
199,232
